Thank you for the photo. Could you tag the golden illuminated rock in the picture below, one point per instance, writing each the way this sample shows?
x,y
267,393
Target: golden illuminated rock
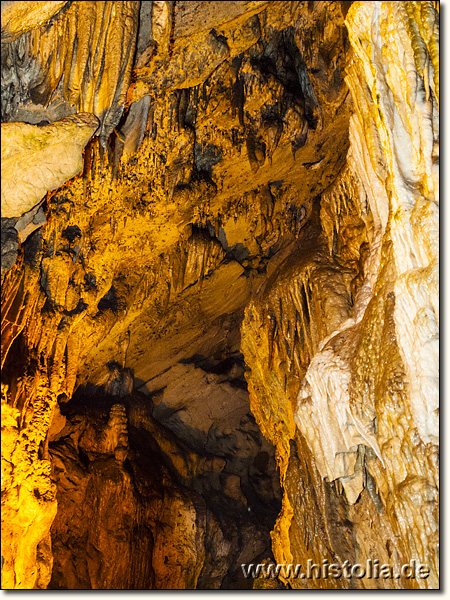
x,y
28,496
220,329
344,402
36,159
18,17
81,62
407,128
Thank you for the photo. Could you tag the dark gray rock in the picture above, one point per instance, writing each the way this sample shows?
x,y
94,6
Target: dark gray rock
x,y
9,244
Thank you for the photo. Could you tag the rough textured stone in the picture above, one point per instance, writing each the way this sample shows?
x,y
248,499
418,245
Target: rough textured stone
x,y
18,17
10,243
220,348
36,159
361,405
81,62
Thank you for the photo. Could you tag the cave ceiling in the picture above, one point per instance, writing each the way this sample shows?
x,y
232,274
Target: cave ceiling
x,y
219,292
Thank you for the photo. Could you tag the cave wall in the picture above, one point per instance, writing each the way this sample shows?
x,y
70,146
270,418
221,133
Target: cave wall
x,y
235,291
367,403
139,508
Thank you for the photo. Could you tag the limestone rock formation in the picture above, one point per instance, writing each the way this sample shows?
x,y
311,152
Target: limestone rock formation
x,y
219,293
378,357
19,17
36,159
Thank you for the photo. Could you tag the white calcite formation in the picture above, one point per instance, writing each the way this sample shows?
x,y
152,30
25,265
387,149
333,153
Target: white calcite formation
x,y
344,403
405,94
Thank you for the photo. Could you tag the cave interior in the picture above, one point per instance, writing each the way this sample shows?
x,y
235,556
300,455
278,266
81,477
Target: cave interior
x,y
220,260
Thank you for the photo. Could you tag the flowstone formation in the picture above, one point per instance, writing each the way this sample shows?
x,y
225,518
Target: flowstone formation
x,y
219,292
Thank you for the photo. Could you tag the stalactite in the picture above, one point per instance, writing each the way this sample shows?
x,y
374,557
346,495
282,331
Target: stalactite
x,y
355,209
233,289
87,53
